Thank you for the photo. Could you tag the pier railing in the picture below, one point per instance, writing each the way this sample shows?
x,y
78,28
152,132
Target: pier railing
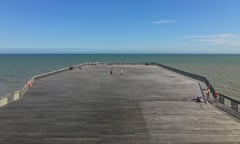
x,y
16,95
224,102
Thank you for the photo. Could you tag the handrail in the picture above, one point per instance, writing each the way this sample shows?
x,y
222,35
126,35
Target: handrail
x,y
16,95
223,100
192,75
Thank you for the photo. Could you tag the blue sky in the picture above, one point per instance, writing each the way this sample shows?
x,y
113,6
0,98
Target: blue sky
x,y
119,26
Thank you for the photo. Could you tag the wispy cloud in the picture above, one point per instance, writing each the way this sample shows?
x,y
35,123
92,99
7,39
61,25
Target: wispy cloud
x,y
167,21
218,39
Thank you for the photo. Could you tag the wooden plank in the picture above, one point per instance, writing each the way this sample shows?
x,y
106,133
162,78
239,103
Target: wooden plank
x,y
147,104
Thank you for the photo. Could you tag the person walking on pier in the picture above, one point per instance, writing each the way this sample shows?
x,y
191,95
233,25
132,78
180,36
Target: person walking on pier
x,y
121,72
111,72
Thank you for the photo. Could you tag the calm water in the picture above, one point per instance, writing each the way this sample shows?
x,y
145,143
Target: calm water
x,y
222,70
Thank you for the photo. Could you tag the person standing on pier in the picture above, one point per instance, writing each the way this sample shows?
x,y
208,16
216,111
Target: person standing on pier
x,y
121,72
111,72
208,92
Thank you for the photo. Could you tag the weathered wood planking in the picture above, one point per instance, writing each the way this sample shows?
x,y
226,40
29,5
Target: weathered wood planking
x,y
146,105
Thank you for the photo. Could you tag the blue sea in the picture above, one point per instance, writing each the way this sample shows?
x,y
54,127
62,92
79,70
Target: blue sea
x,y
222,70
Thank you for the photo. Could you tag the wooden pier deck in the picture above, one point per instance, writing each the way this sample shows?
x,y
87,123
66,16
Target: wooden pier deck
x,y
147,105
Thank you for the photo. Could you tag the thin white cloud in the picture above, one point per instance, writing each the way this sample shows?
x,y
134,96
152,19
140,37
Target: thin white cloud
x,y
218,39
211,36
164,22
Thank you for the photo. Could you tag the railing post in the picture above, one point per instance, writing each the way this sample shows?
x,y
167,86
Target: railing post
x,y
226,101
221,99
238,107
234,106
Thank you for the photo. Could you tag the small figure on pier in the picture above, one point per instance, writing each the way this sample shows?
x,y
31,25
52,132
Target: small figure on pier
x,y
208,94
29,84
111,72
121,71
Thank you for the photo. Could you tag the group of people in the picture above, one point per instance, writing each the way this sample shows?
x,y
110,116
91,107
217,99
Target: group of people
x,y
121,72
206,98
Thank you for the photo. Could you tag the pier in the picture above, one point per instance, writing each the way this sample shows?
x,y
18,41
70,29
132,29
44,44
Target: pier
x,y
146,105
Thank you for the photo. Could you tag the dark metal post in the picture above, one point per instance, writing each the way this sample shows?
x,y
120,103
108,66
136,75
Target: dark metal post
x,y
234,106
221,99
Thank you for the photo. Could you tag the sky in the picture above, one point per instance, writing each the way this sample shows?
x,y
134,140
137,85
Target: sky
x,y
119,26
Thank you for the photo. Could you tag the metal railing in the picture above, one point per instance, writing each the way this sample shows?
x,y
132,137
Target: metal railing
x,y
224,102
16,95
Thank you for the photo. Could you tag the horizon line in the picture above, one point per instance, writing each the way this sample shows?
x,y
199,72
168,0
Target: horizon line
x,y
122,53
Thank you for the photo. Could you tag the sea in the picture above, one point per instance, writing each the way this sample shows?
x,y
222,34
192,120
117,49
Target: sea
x,y
223,70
